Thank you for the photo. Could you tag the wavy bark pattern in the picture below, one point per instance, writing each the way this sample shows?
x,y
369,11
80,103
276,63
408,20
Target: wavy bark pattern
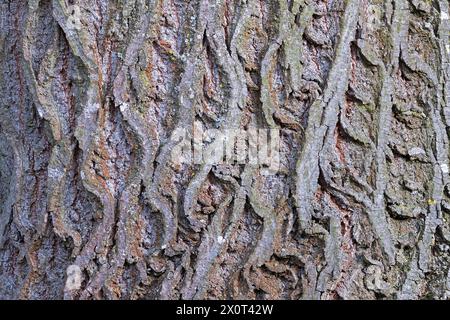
x,y
359,90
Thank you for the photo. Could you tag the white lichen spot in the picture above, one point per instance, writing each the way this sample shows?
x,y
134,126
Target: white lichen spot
x,y
163,247
220,239
444,168
373,17
111,185
73,17
40,112
416,151
74,278
123,107
91,108
54,173
444,15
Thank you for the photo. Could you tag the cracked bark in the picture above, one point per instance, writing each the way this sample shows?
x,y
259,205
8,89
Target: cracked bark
x,y
359,90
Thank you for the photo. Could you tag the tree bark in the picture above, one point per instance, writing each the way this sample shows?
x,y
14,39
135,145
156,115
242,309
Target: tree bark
x,y
94,205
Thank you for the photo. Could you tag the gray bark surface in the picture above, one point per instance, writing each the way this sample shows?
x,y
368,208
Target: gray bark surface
x,y
92,206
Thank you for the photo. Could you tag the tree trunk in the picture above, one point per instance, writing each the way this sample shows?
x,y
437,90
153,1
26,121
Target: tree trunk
x,y
95,203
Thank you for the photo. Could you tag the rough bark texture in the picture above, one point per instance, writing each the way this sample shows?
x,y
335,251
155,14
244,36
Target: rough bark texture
x,y
91,92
